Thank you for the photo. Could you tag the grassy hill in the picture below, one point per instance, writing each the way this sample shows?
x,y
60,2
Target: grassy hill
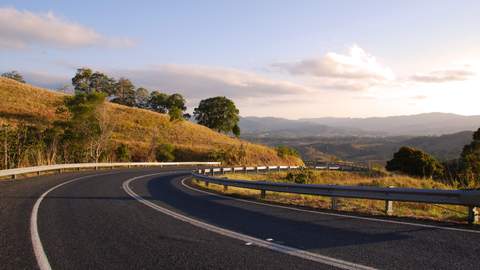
x,y
138,128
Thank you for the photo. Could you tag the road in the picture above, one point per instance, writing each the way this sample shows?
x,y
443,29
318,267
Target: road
x,y
152,219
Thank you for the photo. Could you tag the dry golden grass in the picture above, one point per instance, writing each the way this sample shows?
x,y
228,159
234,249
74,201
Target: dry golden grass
x,y
374,207
22,103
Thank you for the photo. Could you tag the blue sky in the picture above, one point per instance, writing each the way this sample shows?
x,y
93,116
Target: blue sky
x,y
274,58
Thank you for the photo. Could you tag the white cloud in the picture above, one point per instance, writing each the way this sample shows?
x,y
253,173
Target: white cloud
x,y
23,29
356,71
202,81
447,75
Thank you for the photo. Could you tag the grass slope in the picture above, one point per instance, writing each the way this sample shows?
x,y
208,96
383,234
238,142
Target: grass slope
x,y
138,128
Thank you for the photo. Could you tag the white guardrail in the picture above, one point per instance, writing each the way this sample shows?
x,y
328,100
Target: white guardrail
x,y
468,198
13,173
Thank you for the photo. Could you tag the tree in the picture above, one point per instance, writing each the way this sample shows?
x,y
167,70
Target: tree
x,y
175,114
14,75
415,162
141,97
86,81
470,160
81,81
217,113
88,129
124,92
158,102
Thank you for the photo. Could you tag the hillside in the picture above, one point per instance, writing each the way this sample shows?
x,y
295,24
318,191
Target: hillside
x,y
138,128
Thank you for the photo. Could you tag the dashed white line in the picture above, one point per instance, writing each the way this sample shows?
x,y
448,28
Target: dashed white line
x,y
243,237
333,214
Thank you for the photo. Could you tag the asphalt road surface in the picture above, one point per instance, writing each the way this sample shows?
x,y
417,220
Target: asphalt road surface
x,y
152,219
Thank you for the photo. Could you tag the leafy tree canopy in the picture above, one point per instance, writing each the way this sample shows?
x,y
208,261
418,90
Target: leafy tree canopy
x,y
218,113
415,162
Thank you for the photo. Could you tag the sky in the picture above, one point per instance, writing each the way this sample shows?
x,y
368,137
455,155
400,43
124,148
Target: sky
x,y
290,59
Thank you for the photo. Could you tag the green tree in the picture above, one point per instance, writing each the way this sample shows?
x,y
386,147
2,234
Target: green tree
x,y
470,160
86,81
81,81
88,129
217,113
415,162
165,152
158,102
14,75
175,114
124,92
142,97
236,131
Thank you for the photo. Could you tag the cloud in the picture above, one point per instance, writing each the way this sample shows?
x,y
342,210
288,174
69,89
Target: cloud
x,y
201,81
447,75
24,29
47,80
419,97
356,71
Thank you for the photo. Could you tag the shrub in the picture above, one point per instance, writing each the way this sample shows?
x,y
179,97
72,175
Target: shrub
x,y
122,153
284,151
300,177
165,152
415,162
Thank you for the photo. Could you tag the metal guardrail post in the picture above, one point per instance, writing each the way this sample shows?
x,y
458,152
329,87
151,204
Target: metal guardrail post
x,y
334,203
389,206
473,215
263,193
225,187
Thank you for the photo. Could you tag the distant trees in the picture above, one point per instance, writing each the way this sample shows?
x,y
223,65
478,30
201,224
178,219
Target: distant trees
x,y
415,162
218,113
14,75
124,93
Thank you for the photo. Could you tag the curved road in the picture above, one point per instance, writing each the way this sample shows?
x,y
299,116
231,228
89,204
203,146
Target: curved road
x,y
152,219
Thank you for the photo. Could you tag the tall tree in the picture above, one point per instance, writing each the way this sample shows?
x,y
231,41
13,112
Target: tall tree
x,y
218,113
141,97
86,81
158,102
14,75
124,92
81,81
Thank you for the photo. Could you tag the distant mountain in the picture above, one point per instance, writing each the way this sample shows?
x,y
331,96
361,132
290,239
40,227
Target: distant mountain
x,y
427,124
280,127
419,124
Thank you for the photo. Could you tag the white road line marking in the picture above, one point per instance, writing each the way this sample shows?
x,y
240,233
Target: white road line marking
x,y
243,237
334,214
40,255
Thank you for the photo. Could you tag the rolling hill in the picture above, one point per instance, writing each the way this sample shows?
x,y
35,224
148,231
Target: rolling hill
x,y
428,124
137,128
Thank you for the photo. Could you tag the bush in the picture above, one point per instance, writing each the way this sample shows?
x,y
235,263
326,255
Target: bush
x,y
122,153
415,162
300,177
165,152
284,151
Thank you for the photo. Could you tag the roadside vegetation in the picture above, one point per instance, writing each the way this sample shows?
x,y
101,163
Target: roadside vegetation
x,y
41,127
379,179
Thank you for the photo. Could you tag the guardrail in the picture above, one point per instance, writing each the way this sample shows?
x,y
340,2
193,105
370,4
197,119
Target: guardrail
x,y
468,198
13,173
